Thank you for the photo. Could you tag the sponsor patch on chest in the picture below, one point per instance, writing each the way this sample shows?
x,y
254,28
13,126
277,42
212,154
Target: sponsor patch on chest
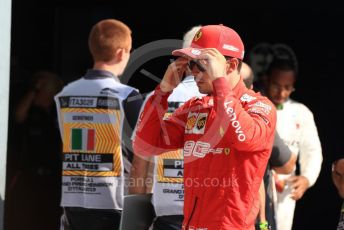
x,y
196,123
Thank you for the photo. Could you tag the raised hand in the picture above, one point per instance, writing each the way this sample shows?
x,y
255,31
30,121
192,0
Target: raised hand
x,y
214,63
173,74
299,185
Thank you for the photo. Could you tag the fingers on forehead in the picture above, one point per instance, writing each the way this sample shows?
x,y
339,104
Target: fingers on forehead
x,y
183,59
212,51
206,53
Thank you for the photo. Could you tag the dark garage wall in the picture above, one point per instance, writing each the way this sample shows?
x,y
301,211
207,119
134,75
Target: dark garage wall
x,y
54,36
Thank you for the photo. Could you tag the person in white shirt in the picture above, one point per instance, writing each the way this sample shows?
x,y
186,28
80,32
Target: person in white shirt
x,y
296,127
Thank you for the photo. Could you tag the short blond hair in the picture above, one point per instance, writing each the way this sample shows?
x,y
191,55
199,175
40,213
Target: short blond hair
x,y
189,36
106,37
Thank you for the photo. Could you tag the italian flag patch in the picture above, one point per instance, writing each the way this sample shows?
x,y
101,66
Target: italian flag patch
x,y
83,139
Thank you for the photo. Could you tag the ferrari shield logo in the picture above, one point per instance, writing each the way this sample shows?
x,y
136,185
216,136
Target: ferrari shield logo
x,y
227,151
198,35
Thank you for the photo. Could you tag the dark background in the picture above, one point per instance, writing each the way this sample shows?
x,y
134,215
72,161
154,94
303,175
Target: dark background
x,y
53,35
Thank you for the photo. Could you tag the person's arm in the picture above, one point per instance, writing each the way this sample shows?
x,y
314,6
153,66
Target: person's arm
x,y
282,160
288,167
139,168
138,175
263,224
261,214
131,106
251,125
310,149
310,157
155,135
338,176
150,177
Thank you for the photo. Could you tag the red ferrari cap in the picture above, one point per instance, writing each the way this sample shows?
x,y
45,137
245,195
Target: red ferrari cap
x,y
223,38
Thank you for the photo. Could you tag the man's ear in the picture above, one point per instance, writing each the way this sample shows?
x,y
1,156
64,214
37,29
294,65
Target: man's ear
x,y
120,54
232,65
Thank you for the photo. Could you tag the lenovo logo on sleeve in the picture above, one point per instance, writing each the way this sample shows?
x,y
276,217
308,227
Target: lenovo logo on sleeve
x,y
234,122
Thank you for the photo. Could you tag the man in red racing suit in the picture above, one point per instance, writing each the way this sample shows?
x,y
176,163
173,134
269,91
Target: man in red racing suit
x,y
227,135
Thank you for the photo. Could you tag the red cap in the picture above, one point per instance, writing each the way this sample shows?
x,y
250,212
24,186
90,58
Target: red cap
x,y
223,38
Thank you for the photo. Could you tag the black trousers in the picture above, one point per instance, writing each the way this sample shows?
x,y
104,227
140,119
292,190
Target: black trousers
x,y
173,222
92,219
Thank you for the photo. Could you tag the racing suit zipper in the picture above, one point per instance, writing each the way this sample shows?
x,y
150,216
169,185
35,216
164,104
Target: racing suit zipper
x,y
192,212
